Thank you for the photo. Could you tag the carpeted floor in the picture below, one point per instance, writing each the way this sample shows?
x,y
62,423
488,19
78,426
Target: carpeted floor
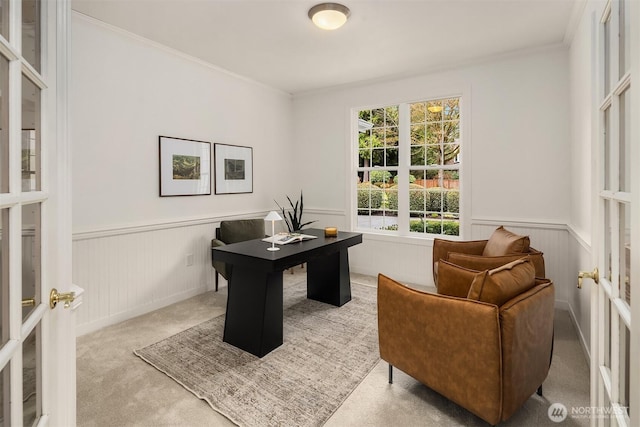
x,y
116,388
326,352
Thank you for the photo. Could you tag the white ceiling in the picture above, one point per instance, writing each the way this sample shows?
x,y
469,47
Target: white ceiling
x,y
274,42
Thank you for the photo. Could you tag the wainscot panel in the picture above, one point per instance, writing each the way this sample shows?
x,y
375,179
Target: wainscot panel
x,y
129,271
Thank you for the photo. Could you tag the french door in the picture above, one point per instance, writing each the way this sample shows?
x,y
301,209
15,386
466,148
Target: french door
x,y
614,305
37,344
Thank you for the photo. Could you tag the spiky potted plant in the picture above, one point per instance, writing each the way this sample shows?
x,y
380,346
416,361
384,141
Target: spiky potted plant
x,y
293,218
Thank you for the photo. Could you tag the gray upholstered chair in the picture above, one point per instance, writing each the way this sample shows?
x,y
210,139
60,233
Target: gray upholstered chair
x,y
233,232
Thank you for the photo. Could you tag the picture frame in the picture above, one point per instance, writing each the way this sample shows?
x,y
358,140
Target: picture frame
x,y
233,169
185,167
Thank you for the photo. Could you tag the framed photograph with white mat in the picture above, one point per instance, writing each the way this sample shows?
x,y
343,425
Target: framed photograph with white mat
x,y
233,169
185,167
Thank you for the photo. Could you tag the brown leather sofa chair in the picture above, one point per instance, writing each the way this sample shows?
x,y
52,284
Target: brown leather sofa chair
x,y
501,248
234,231
488,352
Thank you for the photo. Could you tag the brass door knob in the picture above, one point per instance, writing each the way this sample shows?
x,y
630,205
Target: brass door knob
x,y
55,298
589,275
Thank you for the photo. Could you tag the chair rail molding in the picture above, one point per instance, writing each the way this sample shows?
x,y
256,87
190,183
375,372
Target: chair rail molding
x,y
122,229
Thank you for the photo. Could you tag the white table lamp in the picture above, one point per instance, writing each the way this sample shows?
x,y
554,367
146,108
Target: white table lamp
x,y
273,217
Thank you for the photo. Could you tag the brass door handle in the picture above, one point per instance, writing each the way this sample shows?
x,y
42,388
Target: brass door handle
x,y
29,302
55,298
594,275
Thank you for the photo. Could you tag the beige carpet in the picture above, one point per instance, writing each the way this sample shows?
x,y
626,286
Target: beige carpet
x,y
327,352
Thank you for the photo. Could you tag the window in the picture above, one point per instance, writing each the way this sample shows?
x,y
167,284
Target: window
x,y
409,168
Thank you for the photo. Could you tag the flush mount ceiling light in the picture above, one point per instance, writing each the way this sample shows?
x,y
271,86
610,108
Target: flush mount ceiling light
x,y
329,16
434,108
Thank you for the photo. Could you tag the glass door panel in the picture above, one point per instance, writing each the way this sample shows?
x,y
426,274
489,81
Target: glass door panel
x,y
31,32
30,136
624,54
30,378
4,19
30,258
625,252
4,275
625,141
4,128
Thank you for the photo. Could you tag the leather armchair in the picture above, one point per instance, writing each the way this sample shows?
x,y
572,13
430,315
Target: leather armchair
x,y
501,248
488,352
233,232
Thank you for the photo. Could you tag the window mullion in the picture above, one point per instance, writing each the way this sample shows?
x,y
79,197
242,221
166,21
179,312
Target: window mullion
x,y
404,142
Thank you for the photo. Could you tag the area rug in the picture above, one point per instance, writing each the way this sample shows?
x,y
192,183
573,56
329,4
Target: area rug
x,y
327,351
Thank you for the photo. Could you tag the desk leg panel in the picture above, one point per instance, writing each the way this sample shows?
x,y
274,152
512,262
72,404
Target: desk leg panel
x,y
328,279
254,314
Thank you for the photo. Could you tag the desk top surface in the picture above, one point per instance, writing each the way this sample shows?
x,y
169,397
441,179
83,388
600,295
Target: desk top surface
x,y
257,249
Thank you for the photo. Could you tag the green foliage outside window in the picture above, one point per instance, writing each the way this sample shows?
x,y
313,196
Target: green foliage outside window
x,y
369,197
379,176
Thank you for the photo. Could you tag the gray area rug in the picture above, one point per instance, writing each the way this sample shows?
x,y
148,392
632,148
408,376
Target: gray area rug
x,y
327,352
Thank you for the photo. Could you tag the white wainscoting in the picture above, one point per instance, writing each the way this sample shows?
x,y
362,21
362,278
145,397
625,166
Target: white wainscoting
x,y
129,271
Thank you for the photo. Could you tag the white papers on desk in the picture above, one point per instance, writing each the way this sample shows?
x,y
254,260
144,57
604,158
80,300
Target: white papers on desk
x,y
284,238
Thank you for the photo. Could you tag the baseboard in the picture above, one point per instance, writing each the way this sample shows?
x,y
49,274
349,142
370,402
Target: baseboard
x,y
583,341
87,328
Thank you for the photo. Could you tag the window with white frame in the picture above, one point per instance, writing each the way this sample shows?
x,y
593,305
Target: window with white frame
x,y
408,168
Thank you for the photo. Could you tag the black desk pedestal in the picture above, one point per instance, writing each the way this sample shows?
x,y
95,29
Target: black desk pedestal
x,y
254,313
254,305
328,279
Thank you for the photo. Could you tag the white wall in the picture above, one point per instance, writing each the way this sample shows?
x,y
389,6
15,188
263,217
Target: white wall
x,y
130,245
126,92
516,154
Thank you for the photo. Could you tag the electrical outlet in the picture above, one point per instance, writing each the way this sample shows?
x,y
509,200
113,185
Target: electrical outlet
x,y
189,260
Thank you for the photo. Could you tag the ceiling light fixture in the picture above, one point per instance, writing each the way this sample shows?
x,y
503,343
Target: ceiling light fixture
x,y
329,16
434,108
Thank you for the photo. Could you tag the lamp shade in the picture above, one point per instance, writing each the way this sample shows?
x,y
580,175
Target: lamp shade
x,y
273,216
329,16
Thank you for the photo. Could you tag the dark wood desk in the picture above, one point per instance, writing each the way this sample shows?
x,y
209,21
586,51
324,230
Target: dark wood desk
x,y
253,320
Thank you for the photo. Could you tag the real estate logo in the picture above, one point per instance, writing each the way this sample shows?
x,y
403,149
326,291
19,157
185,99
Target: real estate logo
x,y
557,412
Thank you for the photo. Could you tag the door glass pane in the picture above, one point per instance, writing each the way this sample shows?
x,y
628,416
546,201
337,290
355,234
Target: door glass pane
x,y
30,136
30,257
625,32
625,252
4,274
31,32
4,19
30,374
607,332
607,56
607,240
4,129
625,347
625,141
607,148
5,385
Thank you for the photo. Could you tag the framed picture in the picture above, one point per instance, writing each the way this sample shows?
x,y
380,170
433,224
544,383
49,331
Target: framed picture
x,y
185,167
234,169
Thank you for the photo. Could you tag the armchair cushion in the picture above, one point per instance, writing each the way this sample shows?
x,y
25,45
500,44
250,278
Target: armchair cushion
x,y
454,280
499,285
480,263
503,242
